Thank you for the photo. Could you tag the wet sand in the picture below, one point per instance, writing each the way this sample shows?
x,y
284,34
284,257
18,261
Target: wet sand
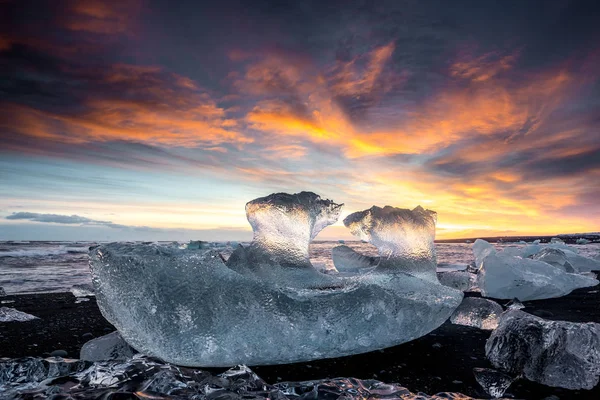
x,y
441,361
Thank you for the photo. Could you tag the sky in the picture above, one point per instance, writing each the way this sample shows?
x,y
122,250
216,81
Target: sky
x,y
159,120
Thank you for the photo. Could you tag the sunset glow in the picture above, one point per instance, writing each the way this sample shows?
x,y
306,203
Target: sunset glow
x,y
161,122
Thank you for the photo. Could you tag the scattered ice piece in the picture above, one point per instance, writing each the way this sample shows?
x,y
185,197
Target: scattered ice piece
x,y
514,304
197,245
8,314
553,353
537,241
459,280
2,292
482,249
446,267
140,377
493,382
403,237
347,260
269,305
506,277
82,290
478,313
81,300
582,241
107,347
6,301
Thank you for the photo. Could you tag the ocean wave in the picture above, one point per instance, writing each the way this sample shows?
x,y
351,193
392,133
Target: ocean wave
x,y
43,252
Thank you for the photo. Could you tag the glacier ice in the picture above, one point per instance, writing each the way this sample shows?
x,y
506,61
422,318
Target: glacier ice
x,y
345,259
493,382
553,353
144,378
404,238
508,277
107,347
268,304
478,313
83,290
8,314
459,280
482,249
554,257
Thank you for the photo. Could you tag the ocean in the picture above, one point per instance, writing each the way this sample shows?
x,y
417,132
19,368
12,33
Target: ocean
x,y
45,267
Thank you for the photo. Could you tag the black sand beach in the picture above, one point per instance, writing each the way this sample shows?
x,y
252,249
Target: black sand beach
x,y
439,362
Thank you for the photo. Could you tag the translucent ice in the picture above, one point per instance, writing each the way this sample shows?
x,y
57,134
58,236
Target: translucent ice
x,y
482,249
508,277
582,241
554,353
268,305
581,263
493,382
82,290
478,313
107,347
403,237
143,378
459,280
554,257
8,314
347,260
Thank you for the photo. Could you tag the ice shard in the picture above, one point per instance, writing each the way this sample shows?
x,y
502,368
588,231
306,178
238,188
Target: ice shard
x,y
268,305
553,353
107,347
493,382
403,237
8,314
345,259
508,277
478,313
482,249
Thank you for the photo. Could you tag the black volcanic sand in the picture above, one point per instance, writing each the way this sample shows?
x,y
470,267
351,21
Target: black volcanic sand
x,y
441,361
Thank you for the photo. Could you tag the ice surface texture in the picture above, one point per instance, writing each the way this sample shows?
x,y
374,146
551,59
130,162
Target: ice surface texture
x,y
505,276
268,305
554,353
347,260
493,382
403,237
460,280
478,313
143,378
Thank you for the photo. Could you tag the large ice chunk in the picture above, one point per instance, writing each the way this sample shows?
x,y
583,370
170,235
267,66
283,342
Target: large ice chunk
x,y
107,347
345,259
8,314
189,308
478,313
508,277
403,237
554,353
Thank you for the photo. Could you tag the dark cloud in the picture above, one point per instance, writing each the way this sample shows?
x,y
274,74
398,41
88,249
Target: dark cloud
x,y
72,220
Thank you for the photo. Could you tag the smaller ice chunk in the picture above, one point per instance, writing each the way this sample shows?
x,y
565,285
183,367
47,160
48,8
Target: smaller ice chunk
x,y
482,249
582,241
554,353
514,304
8,314
478,313
505,277
493,382
2,292
345,259
554,257
197,245
83,290
107,347
460,280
